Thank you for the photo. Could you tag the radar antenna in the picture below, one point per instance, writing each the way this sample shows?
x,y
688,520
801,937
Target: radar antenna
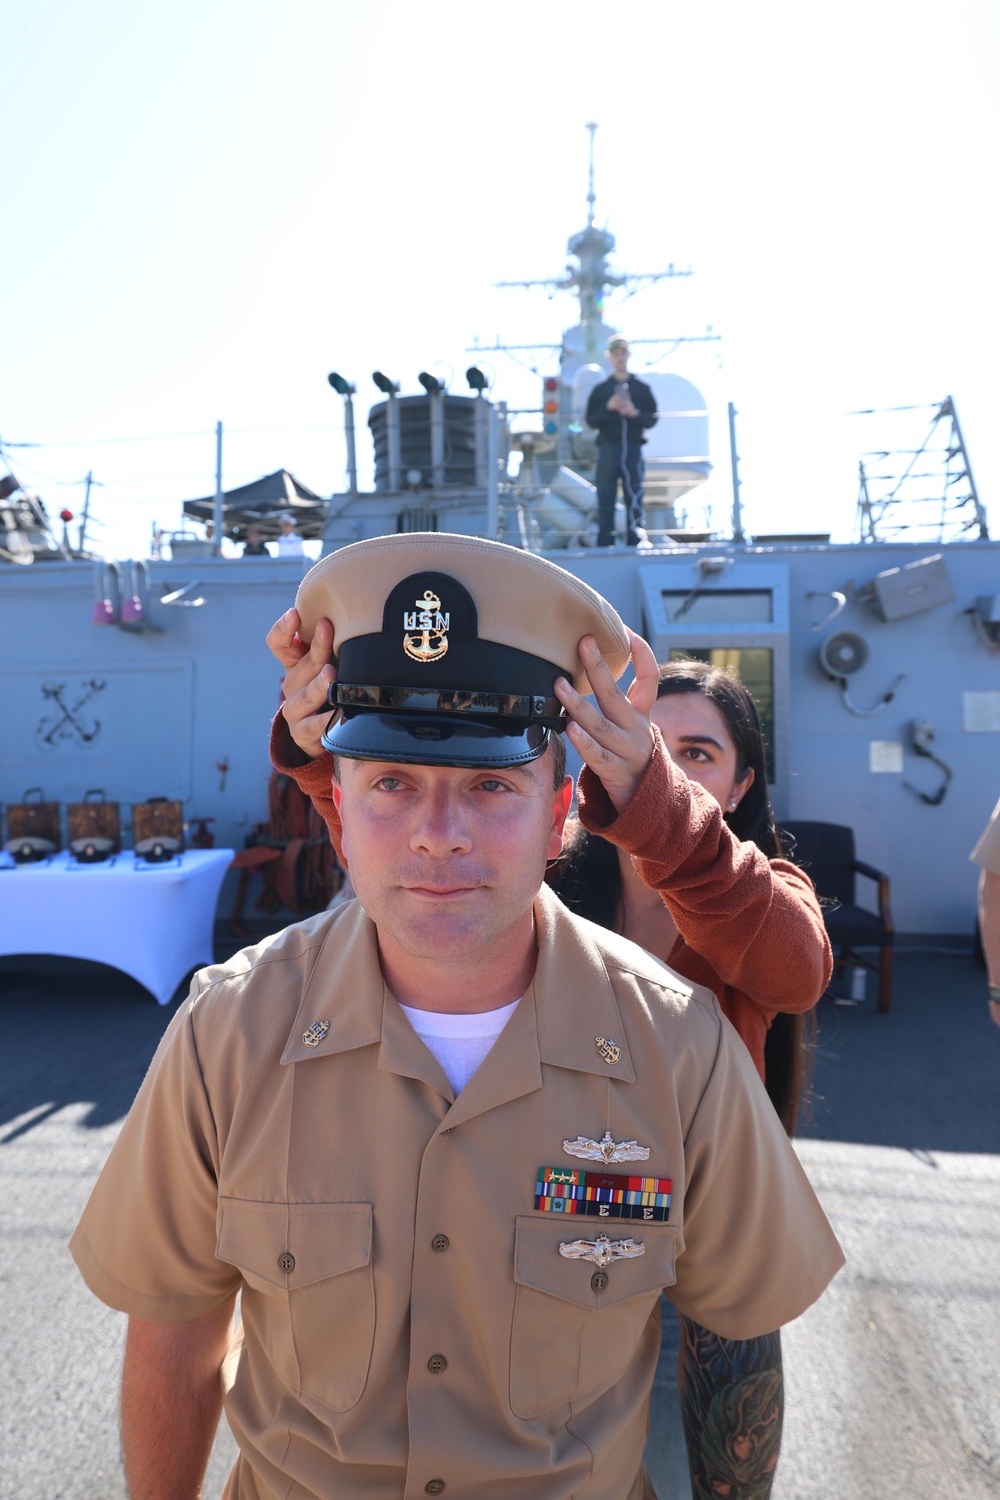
x,y
590,278
591,196
920,494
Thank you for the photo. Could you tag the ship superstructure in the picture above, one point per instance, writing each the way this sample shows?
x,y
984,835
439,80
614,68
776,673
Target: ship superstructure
x,y
876,664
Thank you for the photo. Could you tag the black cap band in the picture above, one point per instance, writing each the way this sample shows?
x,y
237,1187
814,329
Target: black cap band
x,y
436,739
468,666
448,700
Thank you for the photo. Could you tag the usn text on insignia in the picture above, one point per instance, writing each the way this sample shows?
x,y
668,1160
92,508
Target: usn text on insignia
x,y
607,1149
425,629
602,1251
609,1050
314,1034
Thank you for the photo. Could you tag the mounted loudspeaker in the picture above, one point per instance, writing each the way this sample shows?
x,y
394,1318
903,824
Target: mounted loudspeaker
x,y
843,654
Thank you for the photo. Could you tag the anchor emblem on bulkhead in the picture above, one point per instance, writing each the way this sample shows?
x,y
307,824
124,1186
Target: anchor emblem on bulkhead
x,y
425,629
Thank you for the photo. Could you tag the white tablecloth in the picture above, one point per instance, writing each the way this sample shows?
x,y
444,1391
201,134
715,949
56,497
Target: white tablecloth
x,y
152,921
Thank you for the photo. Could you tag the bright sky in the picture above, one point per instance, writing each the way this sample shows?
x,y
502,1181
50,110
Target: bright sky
x,y
208,205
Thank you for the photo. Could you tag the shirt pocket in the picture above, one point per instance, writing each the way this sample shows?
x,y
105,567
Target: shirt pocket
x,y
309,1296
570,1340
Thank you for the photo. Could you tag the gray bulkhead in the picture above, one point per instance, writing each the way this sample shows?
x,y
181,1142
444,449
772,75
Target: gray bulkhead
x,y
153,712
824,753
156,712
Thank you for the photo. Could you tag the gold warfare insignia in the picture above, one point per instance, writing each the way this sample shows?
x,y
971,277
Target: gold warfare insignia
x,y
609,1050
314,1034
425,629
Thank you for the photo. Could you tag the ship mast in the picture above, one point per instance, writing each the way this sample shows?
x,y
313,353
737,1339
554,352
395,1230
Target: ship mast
x,y
591,246
933,497
586,342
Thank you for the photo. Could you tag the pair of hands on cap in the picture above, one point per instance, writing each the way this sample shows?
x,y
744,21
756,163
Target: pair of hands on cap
x,y
615,738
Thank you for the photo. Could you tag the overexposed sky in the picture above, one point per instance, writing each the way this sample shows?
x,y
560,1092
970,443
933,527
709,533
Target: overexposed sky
x,y
208,205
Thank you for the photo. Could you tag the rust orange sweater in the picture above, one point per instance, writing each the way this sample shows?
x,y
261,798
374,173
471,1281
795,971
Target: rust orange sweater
x,y
750,928
758,919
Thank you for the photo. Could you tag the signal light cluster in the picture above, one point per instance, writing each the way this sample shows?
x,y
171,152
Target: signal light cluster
x,y
550,405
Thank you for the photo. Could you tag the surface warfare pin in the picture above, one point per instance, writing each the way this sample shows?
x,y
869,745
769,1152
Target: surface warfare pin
x,y
607,1149
314,1034
602,1251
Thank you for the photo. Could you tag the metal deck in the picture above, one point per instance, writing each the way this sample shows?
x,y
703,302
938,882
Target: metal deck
x,y
893,1379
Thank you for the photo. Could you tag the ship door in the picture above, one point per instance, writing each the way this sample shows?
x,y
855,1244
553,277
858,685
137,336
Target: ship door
x,y
733,614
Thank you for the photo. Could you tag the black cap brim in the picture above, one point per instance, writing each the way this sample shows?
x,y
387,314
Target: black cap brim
x,y
436,740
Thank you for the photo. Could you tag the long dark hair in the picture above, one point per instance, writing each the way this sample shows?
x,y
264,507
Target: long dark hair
x,y
588,876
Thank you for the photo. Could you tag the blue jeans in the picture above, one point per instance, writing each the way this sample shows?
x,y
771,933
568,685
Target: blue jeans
x,y
614,466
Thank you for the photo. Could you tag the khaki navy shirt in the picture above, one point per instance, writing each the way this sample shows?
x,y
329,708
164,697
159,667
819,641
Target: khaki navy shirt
x,y
986,854
410,1322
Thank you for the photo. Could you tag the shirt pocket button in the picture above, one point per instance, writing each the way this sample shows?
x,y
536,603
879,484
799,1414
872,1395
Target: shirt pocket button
x,y
286,1261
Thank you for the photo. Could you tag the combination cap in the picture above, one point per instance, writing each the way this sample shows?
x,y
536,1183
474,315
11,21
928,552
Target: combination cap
x,y
448,647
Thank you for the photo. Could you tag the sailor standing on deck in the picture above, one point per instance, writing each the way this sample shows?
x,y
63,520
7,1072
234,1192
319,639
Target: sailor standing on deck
x,y
621,408
449,1142
288,541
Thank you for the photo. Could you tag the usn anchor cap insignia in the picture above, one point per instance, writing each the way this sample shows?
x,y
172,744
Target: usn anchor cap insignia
x,y
609,1050
425,629
314,1034
607,1149
602,1251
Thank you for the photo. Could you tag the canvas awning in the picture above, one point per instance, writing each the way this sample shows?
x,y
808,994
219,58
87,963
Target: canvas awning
x,y
259,504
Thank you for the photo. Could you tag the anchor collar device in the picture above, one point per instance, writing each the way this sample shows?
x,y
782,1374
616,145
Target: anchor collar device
x,y
460,667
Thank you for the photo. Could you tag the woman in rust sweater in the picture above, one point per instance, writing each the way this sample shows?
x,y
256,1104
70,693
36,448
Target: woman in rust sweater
x,y
674,777
698,879
697,876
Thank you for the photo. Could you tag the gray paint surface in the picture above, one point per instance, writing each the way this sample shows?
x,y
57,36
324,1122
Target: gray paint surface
x,y
892,1378
201,690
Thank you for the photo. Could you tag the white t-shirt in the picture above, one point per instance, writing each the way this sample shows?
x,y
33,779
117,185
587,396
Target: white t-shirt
x,y
459,1042
290,546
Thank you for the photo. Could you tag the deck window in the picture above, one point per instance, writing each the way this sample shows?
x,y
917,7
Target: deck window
x,y
719,606
754,666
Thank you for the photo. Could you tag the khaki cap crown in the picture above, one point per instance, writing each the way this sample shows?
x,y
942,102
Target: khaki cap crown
x,y
523,602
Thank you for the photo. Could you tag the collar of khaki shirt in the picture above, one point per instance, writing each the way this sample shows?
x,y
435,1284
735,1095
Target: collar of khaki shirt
x,y
570,1007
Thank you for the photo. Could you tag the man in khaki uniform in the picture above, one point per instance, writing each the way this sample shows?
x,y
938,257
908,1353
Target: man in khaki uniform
x,y
986,855
447,1143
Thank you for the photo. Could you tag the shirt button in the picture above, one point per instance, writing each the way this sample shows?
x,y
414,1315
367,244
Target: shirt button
x,y
437,1363
440,1242
599,1281
286,1261
433,1486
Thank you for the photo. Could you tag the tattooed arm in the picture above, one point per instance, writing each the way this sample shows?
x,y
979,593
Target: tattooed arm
x,y
732,1405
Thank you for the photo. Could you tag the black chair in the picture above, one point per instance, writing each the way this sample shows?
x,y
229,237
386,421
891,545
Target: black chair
x,y
826,852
